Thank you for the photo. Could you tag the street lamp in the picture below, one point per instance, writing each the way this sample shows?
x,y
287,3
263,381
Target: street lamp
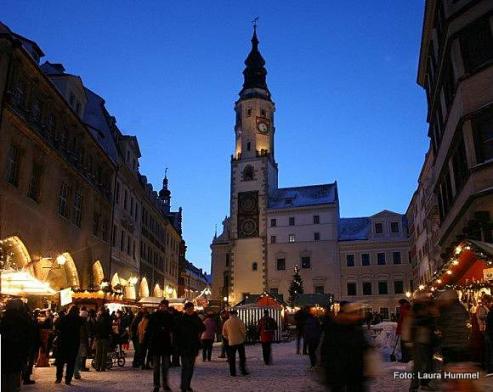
x,y
61,260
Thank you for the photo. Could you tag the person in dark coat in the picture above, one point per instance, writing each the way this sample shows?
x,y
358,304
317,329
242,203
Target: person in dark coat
x,y
134,334
343,350
102,333
311,335
158,340
68,344
36,343
175,354
267,327
299,319
188,331
16,333
489,339
224,342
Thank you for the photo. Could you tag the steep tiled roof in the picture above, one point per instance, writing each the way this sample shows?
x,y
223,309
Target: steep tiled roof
x,y
353,229
303,196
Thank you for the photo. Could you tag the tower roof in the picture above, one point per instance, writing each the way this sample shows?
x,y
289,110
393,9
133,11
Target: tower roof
x,y
254,73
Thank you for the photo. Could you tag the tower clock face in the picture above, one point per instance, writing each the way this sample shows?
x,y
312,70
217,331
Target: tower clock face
x,y
263,125
248,227
248,204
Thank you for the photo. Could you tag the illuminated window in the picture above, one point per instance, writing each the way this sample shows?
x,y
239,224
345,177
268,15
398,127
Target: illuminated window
x,y
292,238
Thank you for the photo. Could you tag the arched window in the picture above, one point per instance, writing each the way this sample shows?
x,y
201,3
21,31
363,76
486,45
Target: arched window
x,y
248,173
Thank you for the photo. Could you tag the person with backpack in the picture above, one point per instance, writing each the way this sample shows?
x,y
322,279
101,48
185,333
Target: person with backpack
x,y
267,327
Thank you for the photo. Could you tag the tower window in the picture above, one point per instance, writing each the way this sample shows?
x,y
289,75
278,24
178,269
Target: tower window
x,y
249,146
248,173
249,112
262,112
281,264
254,266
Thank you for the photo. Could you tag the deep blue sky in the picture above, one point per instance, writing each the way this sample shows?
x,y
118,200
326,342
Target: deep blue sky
x,y
342,75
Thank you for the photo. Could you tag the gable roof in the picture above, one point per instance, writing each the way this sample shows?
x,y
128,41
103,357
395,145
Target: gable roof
x,y
303,196
354,229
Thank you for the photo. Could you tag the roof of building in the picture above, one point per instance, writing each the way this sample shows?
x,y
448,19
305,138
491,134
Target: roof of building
x,y
303,196
353,229
96,118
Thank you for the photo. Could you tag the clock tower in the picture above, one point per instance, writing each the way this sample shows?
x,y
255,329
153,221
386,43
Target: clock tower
x,y
253,177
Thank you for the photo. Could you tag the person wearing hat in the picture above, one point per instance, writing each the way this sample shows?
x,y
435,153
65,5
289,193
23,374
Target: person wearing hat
x,y
158,340
234,331
188,331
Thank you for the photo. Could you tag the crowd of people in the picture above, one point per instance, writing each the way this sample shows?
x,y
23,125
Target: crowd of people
x,y
338,345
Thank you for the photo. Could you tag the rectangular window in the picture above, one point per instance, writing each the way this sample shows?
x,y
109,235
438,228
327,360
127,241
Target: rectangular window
x,y
365,259
316,219
77,216
316,236
350,260
384,313
273,239
227,259
63,200
483,135
366,288
398,287
291,221
305,262
281,264
381,258
292,238
35,183
351,288
319,290
396,257
378,228
13,163
274,291
382,288
273,222
459,165
476,44
394,227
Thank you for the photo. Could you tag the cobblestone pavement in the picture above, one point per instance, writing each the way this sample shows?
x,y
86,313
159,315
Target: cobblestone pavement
x,y
289,372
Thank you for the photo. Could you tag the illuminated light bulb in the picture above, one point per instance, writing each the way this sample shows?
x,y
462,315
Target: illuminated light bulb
x,y
61,260
455,262
421,286
408,294
432,289
439,281
458,249
449,272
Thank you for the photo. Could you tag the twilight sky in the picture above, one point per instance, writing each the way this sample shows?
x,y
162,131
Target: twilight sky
x,y
342,75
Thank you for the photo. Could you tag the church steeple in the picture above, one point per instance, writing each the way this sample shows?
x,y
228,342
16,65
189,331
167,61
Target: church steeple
x,y
255,73
165,193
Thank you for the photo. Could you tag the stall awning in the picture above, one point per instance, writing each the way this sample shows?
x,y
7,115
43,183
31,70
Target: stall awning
x,y
466,265
22,283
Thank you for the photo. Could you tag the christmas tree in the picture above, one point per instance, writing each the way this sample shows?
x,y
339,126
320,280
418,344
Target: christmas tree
x,y
296,286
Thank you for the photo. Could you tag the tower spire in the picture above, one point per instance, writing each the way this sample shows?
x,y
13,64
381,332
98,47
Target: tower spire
x,y
254,73
165,193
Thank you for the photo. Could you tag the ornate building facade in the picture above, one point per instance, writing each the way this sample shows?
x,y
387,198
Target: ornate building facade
x,y
454,199
270,229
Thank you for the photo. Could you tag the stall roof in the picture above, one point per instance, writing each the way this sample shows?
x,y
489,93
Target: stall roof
x,y
22,283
